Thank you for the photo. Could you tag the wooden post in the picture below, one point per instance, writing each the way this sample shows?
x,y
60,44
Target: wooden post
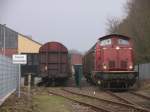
x,y
29,84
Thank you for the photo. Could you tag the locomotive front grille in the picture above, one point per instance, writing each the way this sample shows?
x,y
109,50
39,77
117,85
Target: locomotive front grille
x,y
111,64
123,64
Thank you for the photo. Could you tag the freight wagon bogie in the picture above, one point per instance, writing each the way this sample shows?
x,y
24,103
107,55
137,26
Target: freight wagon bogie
x,y
46,81
110,62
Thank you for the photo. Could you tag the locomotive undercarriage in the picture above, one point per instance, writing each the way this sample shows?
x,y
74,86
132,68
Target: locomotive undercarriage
x,y
114,80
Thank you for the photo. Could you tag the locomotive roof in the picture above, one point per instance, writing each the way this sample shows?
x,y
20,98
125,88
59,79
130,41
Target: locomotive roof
x,y
105,37
117,35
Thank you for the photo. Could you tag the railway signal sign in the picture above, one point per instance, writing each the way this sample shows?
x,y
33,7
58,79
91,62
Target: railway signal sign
x,y
19,59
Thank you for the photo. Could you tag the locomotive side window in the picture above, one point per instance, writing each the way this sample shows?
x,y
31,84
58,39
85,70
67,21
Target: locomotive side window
x,y
105,42
123,42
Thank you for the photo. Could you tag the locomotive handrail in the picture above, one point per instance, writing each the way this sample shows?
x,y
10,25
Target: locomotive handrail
x,y
117,71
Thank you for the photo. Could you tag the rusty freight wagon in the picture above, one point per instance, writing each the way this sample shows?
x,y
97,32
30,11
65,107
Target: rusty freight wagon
x,y
54,63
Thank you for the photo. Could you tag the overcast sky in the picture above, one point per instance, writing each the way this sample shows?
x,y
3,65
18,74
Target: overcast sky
x,y
75,23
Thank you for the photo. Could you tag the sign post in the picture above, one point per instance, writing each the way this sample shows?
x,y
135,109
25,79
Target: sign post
x,y
19,81
19,59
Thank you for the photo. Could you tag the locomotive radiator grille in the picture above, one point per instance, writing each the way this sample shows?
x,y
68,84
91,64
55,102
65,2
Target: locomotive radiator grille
x,y
111,64
123,64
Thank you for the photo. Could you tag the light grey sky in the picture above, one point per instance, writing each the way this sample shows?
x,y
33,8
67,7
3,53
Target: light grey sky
x,y
75,23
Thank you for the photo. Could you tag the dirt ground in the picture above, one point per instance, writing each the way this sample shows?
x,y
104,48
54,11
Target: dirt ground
x,y
41,101
50,103
144,87
22,104
145,84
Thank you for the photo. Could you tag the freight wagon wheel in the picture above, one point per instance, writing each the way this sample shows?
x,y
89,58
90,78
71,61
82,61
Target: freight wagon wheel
x,y
61,82
53,82
88,80
65,82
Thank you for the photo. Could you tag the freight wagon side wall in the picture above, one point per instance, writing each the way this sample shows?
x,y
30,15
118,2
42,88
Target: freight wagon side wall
x,y
54,60
55,63
88,63
11,41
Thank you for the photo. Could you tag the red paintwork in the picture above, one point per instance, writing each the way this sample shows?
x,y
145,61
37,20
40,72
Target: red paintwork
x,y
76,58
108,62
107,53
9,51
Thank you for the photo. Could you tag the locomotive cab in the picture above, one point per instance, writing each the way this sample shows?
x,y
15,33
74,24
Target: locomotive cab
x,y
115,54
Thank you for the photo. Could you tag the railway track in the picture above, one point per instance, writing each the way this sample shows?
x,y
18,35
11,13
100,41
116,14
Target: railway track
x,y
97,103
122,99
141,95
65,95
133,98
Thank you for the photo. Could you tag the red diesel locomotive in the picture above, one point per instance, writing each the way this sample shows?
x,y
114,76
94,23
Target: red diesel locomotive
x,y
110,62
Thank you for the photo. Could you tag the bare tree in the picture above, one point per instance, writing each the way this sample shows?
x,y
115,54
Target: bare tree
x,y
136,25
113,25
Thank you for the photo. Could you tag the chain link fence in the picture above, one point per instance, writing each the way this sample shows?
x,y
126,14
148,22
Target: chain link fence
x,y
8,77
144,71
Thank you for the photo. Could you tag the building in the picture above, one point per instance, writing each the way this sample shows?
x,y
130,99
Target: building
x,y
76,57
11,41
27,45
16,43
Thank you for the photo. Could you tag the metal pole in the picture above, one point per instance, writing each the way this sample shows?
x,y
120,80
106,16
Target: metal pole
x,y
19,81
138,76
4,39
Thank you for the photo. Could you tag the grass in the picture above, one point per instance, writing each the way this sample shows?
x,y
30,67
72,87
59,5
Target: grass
x,y
51,103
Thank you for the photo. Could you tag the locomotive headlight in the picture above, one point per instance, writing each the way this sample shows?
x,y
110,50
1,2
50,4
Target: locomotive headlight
x,y
45,68
130,48
117,48
130,67
99,82
105,67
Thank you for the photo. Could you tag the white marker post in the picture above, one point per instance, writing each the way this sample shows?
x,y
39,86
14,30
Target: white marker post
x,y
19,59
29,85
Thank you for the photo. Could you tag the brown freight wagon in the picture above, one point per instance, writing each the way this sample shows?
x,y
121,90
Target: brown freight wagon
x,y
54,63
